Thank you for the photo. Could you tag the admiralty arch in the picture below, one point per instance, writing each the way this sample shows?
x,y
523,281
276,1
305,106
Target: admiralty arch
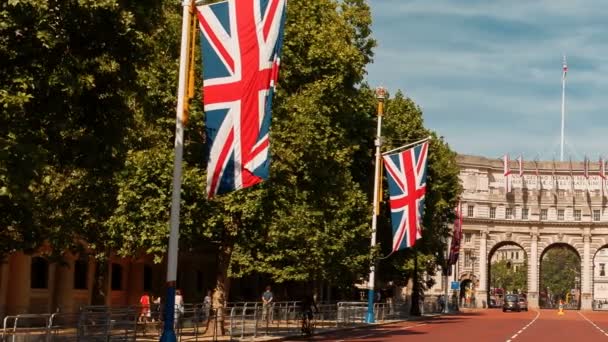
x,y
550,204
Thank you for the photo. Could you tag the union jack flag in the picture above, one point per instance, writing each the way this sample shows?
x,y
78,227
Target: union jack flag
x,y
241,43
406,173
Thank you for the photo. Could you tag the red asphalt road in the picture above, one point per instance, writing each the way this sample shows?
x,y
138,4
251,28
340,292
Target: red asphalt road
x,y
484,325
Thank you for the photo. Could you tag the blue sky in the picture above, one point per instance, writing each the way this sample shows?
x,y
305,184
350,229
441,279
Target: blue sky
x,y
487,74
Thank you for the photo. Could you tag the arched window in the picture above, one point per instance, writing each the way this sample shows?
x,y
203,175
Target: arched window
x,y
81,273
39,269
116,277
147,278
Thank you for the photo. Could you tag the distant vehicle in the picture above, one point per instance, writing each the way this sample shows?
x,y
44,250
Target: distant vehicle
x,y
511,303
493,303
523,303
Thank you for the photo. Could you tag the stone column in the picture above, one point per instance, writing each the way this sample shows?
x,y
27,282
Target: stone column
x,y
135,284
586,295
533,272
482,291
64,286
3,286
19,286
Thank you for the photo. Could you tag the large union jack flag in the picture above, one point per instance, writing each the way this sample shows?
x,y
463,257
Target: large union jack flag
x,y
241,42
406,173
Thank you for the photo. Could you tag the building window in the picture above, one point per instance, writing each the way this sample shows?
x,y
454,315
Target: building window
x,y
470,209
467,237
81,272
602,270
577,214
543,214
596,215
493,212
116,277
561,193
147,278
560,214
509,213
39,269
467,258
524,213
578,193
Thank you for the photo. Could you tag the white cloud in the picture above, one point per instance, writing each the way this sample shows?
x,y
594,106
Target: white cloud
x,y
488,73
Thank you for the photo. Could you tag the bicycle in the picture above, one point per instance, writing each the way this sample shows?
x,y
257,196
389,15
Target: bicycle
x,y
308,324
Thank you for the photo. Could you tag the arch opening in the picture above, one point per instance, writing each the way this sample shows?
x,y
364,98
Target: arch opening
x,y
507,272
600,279
560,277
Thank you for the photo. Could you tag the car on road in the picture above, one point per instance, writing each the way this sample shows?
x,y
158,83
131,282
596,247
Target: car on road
x,y
523,303
511,303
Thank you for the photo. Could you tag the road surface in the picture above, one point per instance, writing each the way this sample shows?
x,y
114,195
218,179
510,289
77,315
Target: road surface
x,y
484,325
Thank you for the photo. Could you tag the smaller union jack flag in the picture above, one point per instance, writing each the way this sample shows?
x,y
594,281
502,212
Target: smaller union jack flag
x,y
406,173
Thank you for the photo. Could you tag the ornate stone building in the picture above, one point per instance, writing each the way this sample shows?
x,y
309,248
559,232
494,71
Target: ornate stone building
x,y
551,204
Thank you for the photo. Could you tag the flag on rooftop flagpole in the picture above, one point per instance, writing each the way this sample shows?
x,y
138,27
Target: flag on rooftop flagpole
x,y
564,68
554,178
602,173
241,47
520,164
506,172
539,184
406,174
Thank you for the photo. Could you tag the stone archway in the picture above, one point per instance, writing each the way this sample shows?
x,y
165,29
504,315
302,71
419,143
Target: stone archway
x,y
466,296
560,276
507,271
600,279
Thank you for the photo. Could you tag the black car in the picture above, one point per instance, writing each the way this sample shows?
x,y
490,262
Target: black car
x,y
511,303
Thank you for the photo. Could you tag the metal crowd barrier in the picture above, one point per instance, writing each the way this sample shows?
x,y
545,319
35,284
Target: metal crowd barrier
x,y
243,320
600,304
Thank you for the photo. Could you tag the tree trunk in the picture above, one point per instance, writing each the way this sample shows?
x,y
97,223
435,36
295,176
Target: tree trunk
x,y
415,308
221,291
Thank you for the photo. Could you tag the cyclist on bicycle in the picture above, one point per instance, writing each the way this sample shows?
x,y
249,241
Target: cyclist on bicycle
x,y
306,309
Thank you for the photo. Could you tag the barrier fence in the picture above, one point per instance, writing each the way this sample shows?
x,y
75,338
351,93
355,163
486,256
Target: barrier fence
x,y
196,322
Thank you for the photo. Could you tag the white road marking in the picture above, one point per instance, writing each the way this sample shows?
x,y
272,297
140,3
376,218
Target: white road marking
x,y
525,327
592,323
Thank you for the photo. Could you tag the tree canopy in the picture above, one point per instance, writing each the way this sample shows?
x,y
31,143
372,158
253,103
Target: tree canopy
x,y
86,144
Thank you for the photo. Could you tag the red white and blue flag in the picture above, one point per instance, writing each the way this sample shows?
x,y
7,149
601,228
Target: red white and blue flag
x,y
456,237
406,173
241,43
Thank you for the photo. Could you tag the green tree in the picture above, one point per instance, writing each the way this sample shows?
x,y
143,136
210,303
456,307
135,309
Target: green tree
x,y
560,267
65,108
403,124
505,276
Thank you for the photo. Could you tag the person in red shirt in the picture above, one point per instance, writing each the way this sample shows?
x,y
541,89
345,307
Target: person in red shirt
x,y
144,302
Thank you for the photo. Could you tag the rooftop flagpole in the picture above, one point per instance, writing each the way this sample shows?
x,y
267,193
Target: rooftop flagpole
x,y
380,95
564,72
168,334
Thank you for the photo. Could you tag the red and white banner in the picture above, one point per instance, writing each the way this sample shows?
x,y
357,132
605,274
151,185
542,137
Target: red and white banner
x,y
520,163
507,172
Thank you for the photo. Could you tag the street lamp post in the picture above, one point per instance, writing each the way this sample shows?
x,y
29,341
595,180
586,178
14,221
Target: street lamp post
x,y
473,278
446,272
380,95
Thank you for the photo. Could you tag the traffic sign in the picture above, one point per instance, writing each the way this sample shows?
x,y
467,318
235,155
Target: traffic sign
x,y
455,285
